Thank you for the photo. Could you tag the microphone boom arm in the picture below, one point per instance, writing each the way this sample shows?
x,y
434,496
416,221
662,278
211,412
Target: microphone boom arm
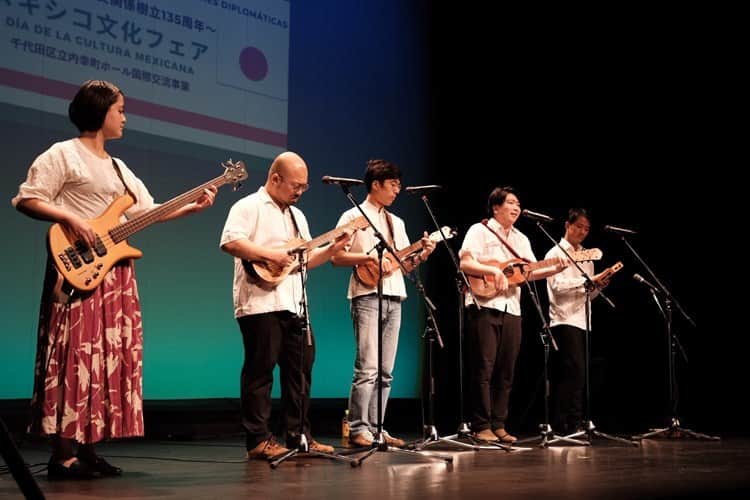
x,y
658,283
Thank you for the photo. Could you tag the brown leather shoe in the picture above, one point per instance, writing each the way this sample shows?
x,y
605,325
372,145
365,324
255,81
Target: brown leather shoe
x,y
361,440
320,447
266,450
504,437
486,435
392,441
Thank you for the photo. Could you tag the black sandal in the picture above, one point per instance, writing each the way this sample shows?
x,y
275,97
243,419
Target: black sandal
x,y
75,471
101,466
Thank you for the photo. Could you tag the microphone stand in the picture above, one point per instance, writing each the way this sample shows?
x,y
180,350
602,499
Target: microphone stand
x,y
379,443
432,335
431,435
546,435
305,340
664,302
588,431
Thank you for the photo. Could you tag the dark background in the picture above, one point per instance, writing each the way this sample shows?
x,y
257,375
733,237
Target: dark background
x,y
621,113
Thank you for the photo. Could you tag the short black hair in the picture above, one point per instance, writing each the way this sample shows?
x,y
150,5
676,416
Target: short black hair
x,y
89,107
575,213
498,195
380,170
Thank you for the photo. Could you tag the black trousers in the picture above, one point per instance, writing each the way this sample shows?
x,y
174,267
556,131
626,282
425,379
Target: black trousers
x,y
493,340
270,339
568,378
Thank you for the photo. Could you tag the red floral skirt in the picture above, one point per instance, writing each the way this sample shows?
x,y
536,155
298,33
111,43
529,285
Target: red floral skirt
x,y
88,382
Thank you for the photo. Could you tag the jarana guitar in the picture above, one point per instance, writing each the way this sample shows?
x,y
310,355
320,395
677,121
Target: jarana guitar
x,y
367,274
517,270
268,274
603,280
84,268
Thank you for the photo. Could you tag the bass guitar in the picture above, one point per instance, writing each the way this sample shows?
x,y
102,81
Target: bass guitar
x,y
84,268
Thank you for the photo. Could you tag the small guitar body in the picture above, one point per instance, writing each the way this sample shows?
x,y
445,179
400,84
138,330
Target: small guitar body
x,y
516,271
368,275
268,275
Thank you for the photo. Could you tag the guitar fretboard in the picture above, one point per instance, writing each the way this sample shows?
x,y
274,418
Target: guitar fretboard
x,y
331,235
126,229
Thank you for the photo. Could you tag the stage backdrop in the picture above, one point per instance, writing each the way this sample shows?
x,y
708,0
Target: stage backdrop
x,y
205,81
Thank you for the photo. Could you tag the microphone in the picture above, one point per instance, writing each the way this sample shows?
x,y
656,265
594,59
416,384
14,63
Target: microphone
x,y
423,189
536,216
341,181
641,279
618,230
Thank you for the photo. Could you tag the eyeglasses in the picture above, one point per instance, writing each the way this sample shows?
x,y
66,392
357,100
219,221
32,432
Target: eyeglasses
x,y
393,183
296,186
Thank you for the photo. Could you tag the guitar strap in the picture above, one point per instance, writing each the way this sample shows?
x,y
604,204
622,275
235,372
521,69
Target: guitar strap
x,y
304,324
389,221
294,222
119,174
485,222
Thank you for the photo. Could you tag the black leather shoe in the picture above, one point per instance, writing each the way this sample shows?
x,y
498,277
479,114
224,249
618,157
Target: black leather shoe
x,y
101,466
75,471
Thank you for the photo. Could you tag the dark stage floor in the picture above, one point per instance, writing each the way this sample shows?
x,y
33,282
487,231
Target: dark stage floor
x,y
216,469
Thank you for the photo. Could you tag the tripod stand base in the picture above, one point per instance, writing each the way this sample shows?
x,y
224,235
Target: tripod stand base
x,y
379,444
589,432
548,437
462,439
304,448
674,431
432,438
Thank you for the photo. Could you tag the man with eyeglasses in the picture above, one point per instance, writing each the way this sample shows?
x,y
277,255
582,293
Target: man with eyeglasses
x,y
256,230
383,182
567,301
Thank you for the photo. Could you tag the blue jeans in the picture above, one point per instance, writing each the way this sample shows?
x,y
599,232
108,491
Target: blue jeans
x,y
363,398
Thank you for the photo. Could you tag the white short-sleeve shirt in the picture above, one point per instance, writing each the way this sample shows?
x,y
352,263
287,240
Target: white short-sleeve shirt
x,y
259,219
483,246
365,241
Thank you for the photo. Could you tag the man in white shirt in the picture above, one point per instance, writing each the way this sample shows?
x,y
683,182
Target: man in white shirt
x,y
270,314
567,311
383,182
493,333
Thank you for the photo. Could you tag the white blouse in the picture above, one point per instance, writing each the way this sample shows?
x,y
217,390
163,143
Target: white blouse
x,y
71,177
